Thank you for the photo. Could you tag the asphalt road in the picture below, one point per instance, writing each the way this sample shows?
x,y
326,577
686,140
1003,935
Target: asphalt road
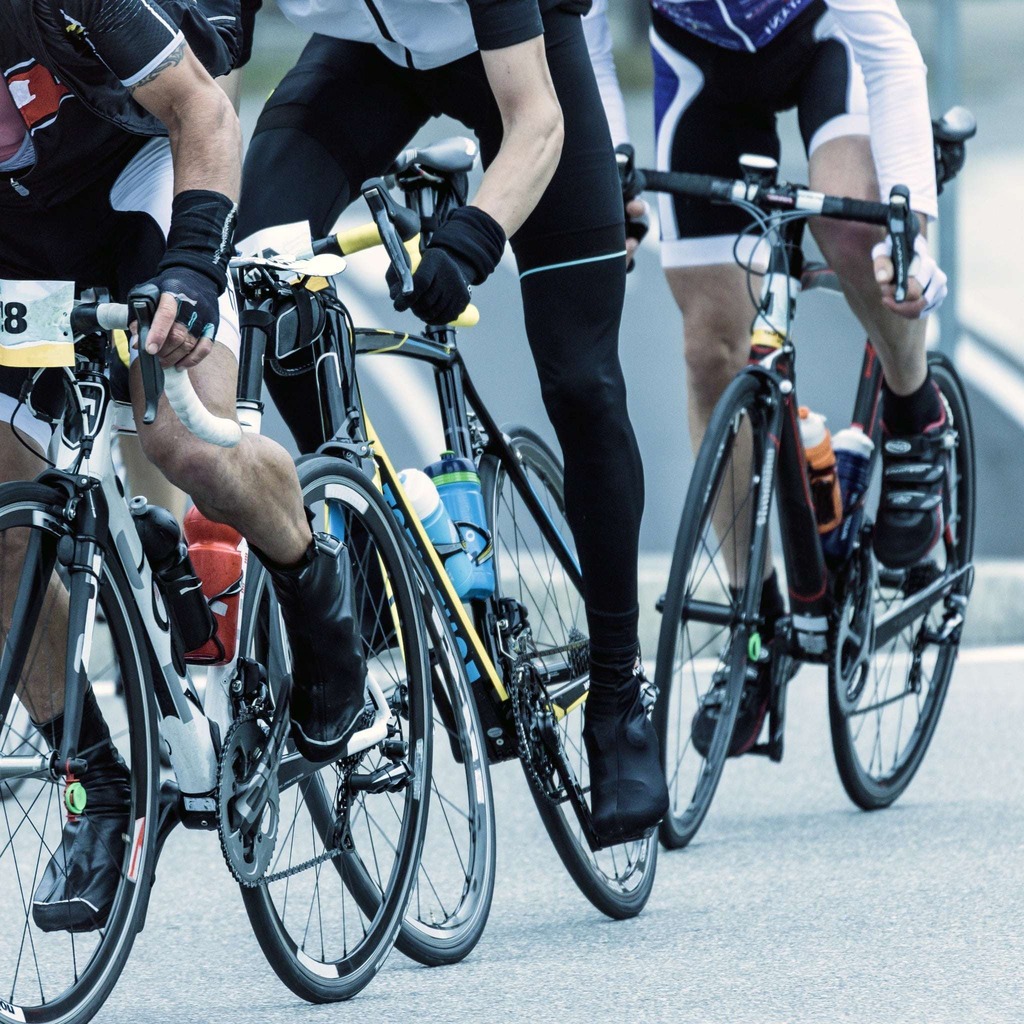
x,y
790,906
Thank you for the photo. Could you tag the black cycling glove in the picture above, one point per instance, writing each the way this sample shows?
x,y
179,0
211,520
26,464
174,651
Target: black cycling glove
x,y
198,299
463,252
195,263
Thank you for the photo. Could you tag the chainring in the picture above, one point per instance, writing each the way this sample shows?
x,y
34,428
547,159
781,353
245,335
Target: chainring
x,y
852,640
248,834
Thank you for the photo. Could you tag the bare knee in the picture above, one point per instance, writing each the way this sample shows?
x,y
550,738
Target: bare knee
x,y
716,324
847,248
189,464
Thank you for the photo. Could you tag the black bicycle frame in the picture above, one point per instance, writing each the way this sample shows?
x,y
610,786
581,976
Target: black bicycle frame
x,y
773,359
348,433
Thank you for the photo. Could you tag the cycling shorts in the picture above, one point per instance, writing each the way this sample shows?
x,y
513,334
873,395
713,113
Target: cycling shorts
x,y
112,236
713,104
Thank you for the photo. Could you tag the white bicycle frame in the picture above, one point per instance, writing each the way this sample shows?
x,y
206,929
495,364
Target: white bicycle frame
x,y
186,715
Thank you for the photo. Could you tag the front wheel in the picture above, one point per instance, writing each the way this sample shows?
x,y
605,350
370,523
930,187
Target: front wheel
x,y
346,856
617,880
894,652
47,975
703,647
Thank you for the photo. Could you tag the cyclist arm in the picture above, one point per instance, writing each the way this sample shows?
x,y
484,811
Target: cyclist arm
x,y
895,74
901,135
205,137
532,141
206,147
599,42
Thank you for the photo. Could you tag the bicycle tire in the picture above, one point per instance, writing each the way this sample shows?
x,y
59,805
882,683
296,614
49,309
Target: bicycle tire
x,y
320,977
460,755
93,974
624,892
672,713
867,788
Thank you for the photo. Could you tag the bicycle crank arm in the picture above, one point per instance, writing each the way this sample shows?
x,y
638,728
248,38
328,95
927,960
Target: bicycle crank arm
x,y
251,798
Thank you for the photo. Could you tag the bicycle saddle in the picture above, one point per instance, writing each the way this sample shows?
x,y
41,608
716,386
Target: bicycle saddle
x,y
449,156
957,124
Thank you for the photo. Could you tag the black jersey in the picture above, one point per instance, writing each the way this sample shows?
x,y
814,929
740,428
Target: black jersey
x,y
70,65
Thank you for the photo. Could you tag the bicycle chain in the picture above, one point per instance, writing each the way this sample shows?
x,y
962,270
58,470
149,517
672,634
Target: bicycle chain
x,y
526,697
347,766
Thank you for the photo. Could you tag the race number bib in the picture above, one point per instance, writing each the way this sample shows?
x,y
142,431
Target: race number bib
x,y
35,323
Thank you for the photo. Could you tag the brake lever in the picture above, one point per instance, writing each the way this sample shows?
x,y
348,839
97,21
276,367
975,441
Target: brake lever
x,y
902,225
142,303
385,212
630,178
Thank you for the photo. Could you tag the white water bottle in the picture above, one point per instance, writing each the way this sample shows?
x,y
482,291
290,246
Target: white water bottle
x,y
853,450
442,532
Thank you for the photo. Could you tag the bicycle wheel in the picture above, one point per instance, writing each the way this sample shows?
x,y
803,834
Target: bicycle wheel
x,y
885,697
451,898
345,860
60,975
616,880
703,652
18,738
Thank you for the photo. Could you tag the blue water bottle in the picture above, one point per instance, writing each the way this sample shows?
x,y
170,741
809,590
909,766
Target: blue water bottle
x,y
458,483
440,529
853,450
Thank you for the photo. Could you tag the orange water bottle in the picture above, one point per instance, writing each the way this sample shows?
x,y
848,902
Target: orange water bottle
x,y
821,466
218,554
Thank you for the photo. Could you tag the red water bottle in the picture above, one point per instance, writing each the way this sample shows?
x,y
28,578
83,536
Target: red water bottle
x,y
218,555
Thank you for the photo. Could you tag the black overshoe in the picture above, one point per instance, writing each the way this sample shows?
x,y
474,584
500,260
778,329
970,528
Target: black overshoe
x,y
80,882
328,664
628,795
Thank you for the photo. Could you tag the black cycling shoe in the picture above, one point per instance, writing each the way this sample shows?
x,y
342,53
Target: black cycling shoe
x,y
915,495
328,666
628,795
754,700
80,883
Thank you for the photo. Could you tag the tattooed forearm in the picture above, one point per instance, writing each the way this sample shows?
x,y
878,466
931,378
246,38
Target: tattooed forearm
x,y
172,60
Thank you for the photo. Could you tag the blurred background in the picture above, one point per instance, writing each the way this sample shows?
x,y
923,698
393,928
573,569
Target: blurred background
x,y
973,51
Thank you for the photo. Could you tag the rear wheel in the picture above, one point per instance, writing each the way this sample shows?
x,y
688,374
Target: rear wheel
x,y
617,880
346,858
894,653
703,655
60,975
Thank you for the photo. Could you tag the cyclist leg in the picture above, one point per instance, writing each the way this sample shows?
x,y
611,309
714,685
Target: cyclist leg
x,y
702,127
340,116
571,258
834,123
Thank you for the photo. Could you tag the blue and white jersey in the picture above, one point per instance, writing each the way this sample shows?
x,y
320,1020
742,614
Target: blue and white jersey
x,y
733,24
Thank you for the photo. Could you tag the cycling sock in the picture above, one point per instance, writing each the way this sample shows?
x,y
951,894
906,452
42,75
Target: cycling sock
x,y
913,413
613,682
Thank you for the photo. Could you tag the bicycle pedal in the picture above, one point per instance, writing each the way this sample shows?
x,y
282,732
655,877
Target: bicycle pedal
x,y
659,605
